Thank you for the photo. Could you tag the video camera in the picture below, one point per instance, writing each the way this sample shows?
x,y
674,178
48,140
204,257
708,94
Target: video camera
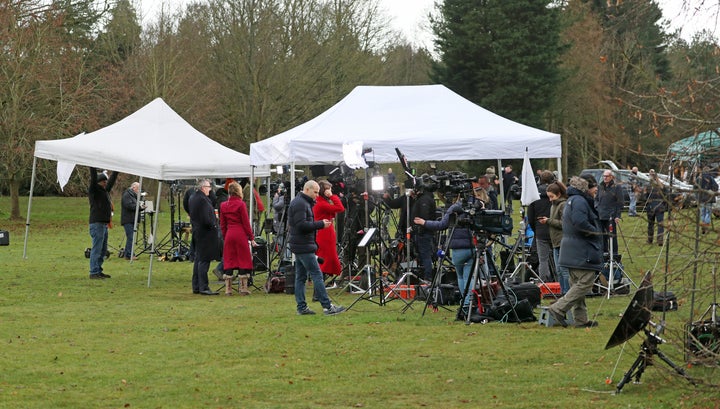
x,y
453,183
476,218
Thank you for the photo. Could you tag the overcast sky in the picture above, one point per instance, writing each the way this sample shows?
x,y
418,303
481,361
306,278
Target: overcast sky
x,y
410,16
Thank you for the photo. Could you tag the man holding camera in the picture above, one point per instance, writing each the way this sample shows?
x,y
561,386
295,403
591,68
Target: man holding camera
x,y
127,217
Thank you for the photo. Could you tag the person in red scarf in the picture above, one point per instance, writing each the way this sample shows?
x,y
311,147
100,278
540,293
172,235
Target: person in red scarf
x,y
326,207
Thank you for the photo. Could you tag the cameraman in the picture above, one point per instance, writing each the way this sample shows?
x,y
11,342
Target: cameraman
x,y
463,251
424,208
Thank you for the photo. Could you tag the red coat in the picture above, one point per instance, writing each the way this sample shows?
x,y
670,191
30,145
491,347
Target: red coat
x,y
237,232
326,238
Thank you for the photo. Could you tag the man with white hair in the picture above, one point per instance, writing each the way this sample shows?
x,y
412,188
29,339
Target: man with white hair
x,y
127,217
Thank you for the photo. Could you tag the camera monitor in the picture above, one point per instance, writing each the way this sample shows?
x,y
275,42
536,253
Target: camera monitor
x,y
636,316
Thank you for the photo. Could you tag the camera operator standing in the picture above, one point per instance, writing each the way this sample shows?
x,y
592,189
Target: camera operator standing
x,y
463,251
100,217
424,208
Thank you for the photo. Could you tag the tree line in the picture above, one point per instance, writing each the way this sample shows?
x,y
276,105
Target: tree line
x,y
606,75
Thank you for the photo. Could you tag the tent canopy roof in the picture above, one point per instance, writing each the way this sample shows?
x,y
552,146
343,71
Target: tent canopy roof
x,y
426,122
153,142
697,147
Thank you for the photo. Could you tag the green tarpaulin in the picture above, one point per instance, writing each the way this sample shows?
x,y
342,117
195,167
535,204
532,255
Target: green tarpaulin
x,y
703,147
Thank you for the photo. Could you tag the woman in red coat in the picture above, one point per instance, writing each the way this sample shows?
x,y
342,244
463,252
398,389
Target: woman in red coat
x,y
327,206
236,230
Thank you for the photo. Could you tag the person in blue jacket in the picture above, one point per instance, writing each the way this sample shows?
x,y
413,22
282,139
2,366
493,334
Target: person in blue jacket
x,y
462,250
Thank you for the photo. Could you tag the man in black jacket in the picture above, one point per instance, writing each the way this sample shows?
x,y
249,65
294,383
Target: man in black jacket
x,y
206,237
537,209
424,208
100,216
609,202
303,228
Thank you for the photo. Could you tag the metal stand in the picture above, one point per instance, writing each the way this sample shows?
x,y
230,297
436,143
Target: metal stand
x,y
613,267
523,265
647,350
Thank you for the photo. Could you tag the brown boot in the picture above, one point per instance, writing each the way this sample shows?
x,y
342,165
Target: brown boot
x,y
244,284
228,284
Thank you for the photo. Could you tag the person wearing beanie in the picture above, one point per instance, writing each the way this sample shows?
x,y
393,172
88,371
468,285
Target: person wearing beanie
x,y
581,250
100,216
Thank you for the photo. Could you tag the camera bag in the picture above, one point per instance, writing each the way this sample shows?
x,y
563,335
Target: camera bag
x,y
664,301
4,238
275,283
526,291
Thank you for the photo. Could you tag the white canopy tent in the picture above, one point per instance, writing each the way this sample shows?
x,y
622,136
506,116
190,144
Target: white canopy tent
x,y
426,122
153,142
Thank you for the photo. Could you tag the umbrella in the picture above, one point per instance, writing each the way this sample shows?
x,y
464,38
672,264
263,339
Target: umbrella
x,y
529,188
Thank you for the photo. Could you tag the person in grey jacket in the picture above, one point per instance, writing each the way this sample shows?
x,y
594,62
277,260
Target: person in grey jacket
x,y
581,250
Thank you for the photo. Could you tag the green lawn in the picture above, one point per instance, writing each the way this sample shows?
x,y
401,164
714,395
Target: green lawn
x,y
71,342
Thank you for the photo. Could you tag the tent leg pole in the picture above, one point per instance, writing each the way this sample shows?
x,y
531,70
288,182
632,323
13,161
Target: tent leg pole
x,y
499,175
27,221
154,232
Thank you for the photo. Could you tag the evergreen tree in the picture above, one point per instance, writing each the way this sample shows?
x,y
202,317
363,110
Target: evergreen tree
x,y
501,54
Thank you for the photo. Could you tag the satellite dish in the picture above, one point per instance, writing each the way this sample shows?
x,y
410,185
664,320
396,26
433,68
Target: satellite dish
x,y
636,316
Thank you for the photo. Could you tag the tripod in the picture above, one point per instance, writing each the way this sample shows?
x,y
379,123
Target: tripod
x,y
523,265
613,266
647,350
177,249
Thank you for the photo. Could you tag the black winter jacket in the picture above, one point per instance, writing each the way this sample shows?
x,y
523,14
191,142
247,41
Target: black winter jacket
x,y
303,226
99,198
540,208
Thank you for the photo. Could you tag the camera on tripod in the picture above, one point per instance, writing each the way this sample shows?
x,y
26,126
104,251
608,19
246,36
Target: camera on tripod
x,y
454,182
477,219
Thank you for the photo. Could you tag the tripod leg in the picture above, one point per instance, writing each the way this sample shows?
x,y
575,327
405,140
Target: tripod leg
x,y
638,365
672,365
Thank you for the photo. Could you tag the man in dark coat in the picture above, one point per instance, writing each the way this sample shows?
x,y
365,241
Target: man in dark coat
x,y
424,208
508,179
609,203
708,189
127,217
580,250
655,206
537,209
205,237
100,217
303,228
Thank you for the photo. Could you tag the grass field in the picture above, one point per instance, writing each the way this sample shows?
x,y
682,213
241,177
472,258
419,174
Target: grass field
x,y
71,342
